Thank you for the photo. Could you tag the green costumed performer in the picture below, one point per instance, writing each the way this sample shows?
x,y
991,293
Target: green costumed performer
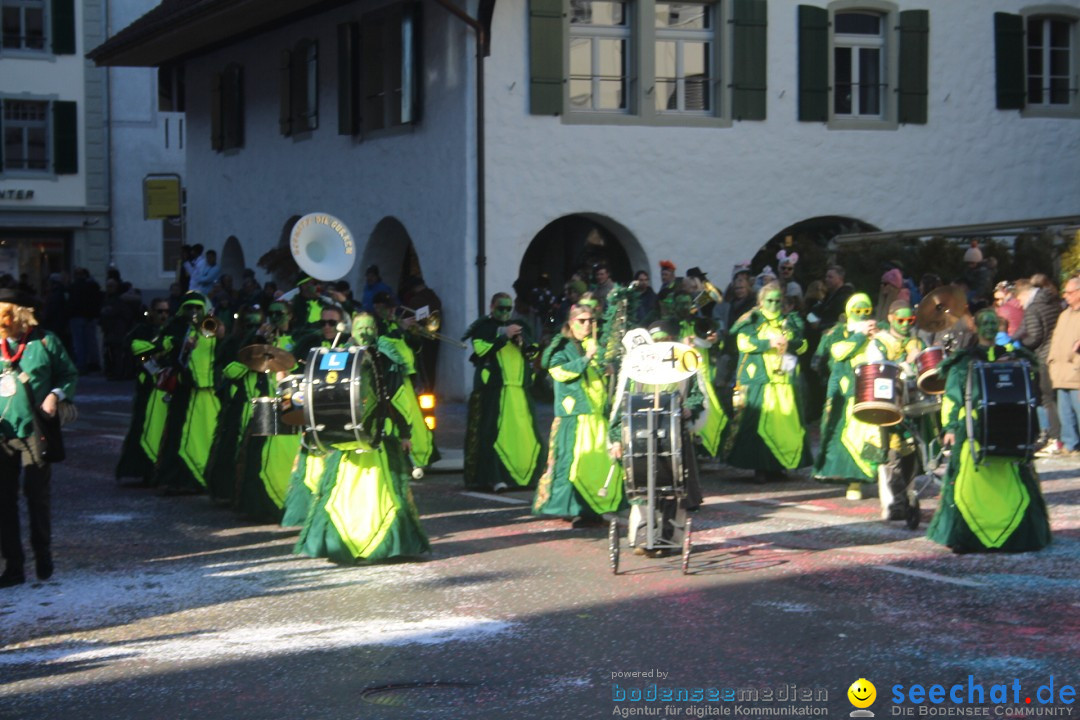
x,y
502,447
768,435
581,481
268,460
992,503
364,509
148,409
194,407
239,384
843,436
699,331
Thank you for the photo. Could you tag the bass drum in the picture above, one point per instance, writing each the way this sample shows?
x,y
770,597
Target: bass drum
x,y
266,418
1009,423
644,415
341,390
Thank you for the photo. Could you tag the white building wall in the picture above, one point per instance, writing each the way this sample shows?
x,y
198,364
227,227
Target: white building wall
x,y
712,196
420,176
143,141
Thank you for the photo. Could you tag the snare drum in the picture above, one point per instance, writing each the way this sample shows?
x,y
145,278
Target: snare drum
x,y
1007,413
266,418
918,403
879,393
292,399
340,392
928,367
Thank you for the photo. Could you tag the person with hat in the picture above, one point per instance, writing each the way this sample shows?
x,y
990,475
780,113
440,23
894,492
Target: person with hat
x,y
36,375
787,281
668,282
149,409
502,446
768,436
373,285
194,406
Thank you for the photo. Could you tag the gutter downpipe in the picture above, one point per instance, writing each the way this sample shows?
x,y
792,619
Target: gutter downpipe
x,y
481,216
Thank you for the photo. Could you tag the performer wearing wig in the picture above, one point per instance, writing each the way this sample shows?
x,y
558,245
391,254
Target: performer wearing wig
x,y
36,371
363,509
768,435
578,464
843,436
994,504
502,447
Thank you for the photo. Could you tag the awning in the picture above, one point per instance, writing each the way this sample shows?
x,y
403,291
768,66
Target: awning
x,y
1003,228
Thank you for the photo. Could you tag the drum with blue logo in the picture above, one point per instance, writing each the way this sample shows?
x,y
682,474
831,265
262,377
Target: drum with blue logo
x,y
341,395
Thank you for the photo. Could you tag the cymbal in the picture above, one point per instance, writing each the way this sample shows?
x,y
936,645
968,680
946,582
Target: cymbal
x,y
940,309
266,358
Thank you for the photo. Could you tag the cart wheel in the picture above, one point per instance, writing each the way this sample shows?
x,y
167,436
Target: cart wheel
x,y
613,545
686,546
914,516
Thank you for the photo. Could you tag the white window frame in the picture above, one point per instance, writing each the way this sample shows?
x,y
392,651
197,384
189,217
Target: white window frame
x,y
1072,16
854,43
45,123
593,34
890,64
23,5
680,37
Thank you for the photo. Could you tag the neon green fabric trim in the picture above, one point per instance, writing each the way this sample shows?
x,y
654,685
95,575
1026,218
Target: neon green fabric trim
x,y
516,444
313,472
511,364
591,465
990,496
857,435
406,403
157,411
558,374
482,347
201,362
779,425
278,457
234,371
407,357
202,413
141,347
362,506
715,421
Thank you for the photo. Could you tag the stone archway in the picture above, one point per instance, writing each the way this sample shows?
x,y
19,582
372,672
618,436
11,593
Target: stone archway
x,y
811,239
389,248
232,259
574,243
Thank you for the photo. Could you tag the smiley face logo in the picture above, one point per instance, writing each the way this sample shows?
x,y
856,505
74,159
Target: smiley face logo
x,y
862,693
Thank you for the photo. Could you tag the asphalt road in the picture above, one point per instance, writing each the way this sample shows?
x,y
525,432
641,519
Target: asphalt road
x,y
165,607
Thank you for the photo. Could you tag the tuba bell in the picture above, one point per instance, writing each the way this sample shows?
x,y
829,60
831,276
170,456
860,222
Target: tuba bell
x,y
322,246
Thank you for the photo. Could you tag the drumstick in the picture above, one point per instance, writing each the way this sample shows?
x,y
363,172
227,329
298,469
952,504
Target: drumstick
x,y
602,492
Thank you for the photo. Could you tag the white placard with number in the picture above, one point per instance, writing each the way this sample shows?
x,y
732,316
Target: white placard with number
x,y
661,363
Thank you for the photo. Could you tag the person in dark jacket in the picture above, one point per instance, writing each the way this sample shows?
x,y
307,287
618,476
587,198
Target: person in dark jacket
x,y
823,315
1041,309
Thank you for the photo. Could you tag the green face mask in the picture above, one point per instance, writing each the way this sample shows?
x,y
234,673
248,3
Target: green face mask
x,y
772,302
364,330
902,322
502,310
986,324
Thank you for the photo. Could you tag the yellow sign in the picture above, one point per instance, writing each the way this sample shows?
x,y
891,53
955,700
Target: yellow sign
x,y
161,196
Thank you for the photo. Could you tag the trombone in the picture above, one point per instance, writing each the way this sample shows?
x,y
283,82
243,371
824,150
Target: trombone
x,y
426,325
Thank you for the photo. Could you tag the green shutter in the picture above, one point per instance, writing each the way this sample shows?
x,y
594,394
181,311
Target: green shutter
x,y
751,19
545,57
1009,50
232,106
285,112
65,138
813,64
217,140
372,79
348,38
414,13
914,80
311,83
1,135
63,27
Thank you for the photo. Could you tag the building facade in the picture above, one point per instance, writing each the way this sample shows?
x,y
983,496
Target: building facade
x,y
603,130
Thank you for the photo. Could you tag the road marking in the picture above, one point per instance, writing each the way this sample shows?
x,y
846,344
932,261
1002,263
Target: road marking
x,y
496,498
929,576
456,513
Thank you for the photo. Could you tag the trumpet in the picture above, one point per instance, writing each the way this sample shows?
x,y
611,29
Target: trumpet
x,y
209,326
709,294
426,325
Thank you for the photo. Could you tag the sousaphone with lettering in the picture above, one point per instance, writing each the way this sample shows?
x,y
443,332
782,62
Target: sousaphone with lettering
x,y
322,246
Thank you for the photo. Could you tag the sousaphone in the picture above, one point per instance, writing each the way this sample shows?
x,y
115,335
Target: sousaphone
x,y
322,246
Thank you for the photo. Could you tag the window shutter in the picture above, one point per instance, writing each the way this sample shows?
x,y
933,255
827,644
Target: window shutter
x,y
392,46
1,135
1009,49
65,138
285,85
217,140
751,21
63,27
372,80
412,61
348,38
311,83
233,107
545,57
914,80
813,64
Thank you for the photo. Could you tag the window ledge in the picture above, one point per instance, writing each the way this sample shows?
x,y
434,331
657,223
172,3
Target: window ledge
x,y
861,124
1070,112
655,120
10,174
